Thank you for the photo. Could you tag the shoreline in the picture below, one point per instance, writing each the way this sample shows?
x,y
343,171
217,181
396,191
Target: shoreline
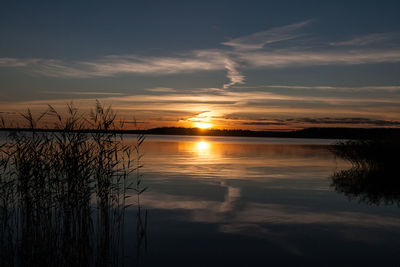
x,y
314,133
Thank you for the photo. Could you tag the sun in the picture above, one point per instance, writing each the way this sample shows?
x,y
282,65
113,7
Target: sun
x,y
202,125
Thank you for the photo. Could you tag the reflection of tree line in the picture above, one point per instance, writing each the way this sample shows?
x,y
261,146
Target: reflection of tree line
x,y
63,194
374,176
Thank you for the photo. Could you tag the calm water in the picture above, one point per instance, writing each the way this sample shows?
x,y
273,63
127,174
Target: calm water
x,y
223,201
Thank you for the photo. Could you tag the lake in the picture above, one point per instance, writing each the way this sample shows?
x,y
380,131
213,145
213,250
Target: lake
x,y
211,201
233,201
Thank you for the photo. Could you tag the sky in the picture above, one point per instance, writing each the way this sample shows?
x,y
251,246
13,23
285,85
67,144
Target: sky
x,y
259,65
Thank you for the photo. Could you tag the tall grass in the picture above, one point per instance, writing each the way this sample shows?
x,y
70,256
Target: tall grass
x,y
377,153
373,177
63,194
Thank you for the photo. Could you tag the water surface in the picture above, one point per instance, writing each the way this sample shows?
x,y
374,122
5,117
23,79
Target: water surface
x,y
232,201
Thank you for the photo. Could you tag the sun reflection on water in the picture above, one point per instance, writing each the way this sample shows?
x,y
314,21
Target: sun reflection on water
x,y
201,157
202,145
203,150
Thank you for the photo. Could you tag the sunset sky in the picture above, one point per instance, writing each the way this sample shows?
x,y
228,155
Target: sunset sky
x,y
257,65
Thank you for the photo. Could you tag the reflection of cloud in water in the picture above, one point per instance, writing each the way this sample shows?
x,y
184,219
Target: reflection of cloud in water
x,y
232,197
219,209
236,216
207,211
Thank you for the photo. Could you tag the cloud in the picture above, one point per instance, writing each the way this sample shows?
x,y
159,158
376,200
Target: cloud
x,y
367,39
389,88
251,105
348,121
247,54
325,120
82,93
200,61
15,62
113,65
259,39
233,74
292,58
242,99
161,90
236,109
264,123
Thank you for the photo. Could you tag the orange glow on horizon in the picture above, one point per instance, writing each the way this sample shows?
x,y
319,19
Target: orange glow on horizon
x,y
202,125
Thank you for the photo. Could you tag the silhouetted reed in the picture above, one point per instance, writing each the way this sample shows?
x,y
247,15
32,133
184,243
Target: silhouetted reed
x,y
373,178
369,153
369,186
63,194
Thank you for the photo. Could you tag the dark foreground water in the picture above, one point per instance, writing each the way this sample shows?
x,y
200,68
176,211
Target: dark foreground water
x,y
222,201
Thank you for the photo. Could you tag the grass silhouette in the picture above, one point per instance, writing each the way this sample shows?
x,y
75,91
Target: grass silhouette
x,y
373,178
63,194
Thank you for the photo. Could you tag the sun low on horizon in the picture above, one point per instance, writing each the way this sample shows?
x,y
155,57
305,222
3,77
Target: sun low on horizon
x,y
202,125
249,68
